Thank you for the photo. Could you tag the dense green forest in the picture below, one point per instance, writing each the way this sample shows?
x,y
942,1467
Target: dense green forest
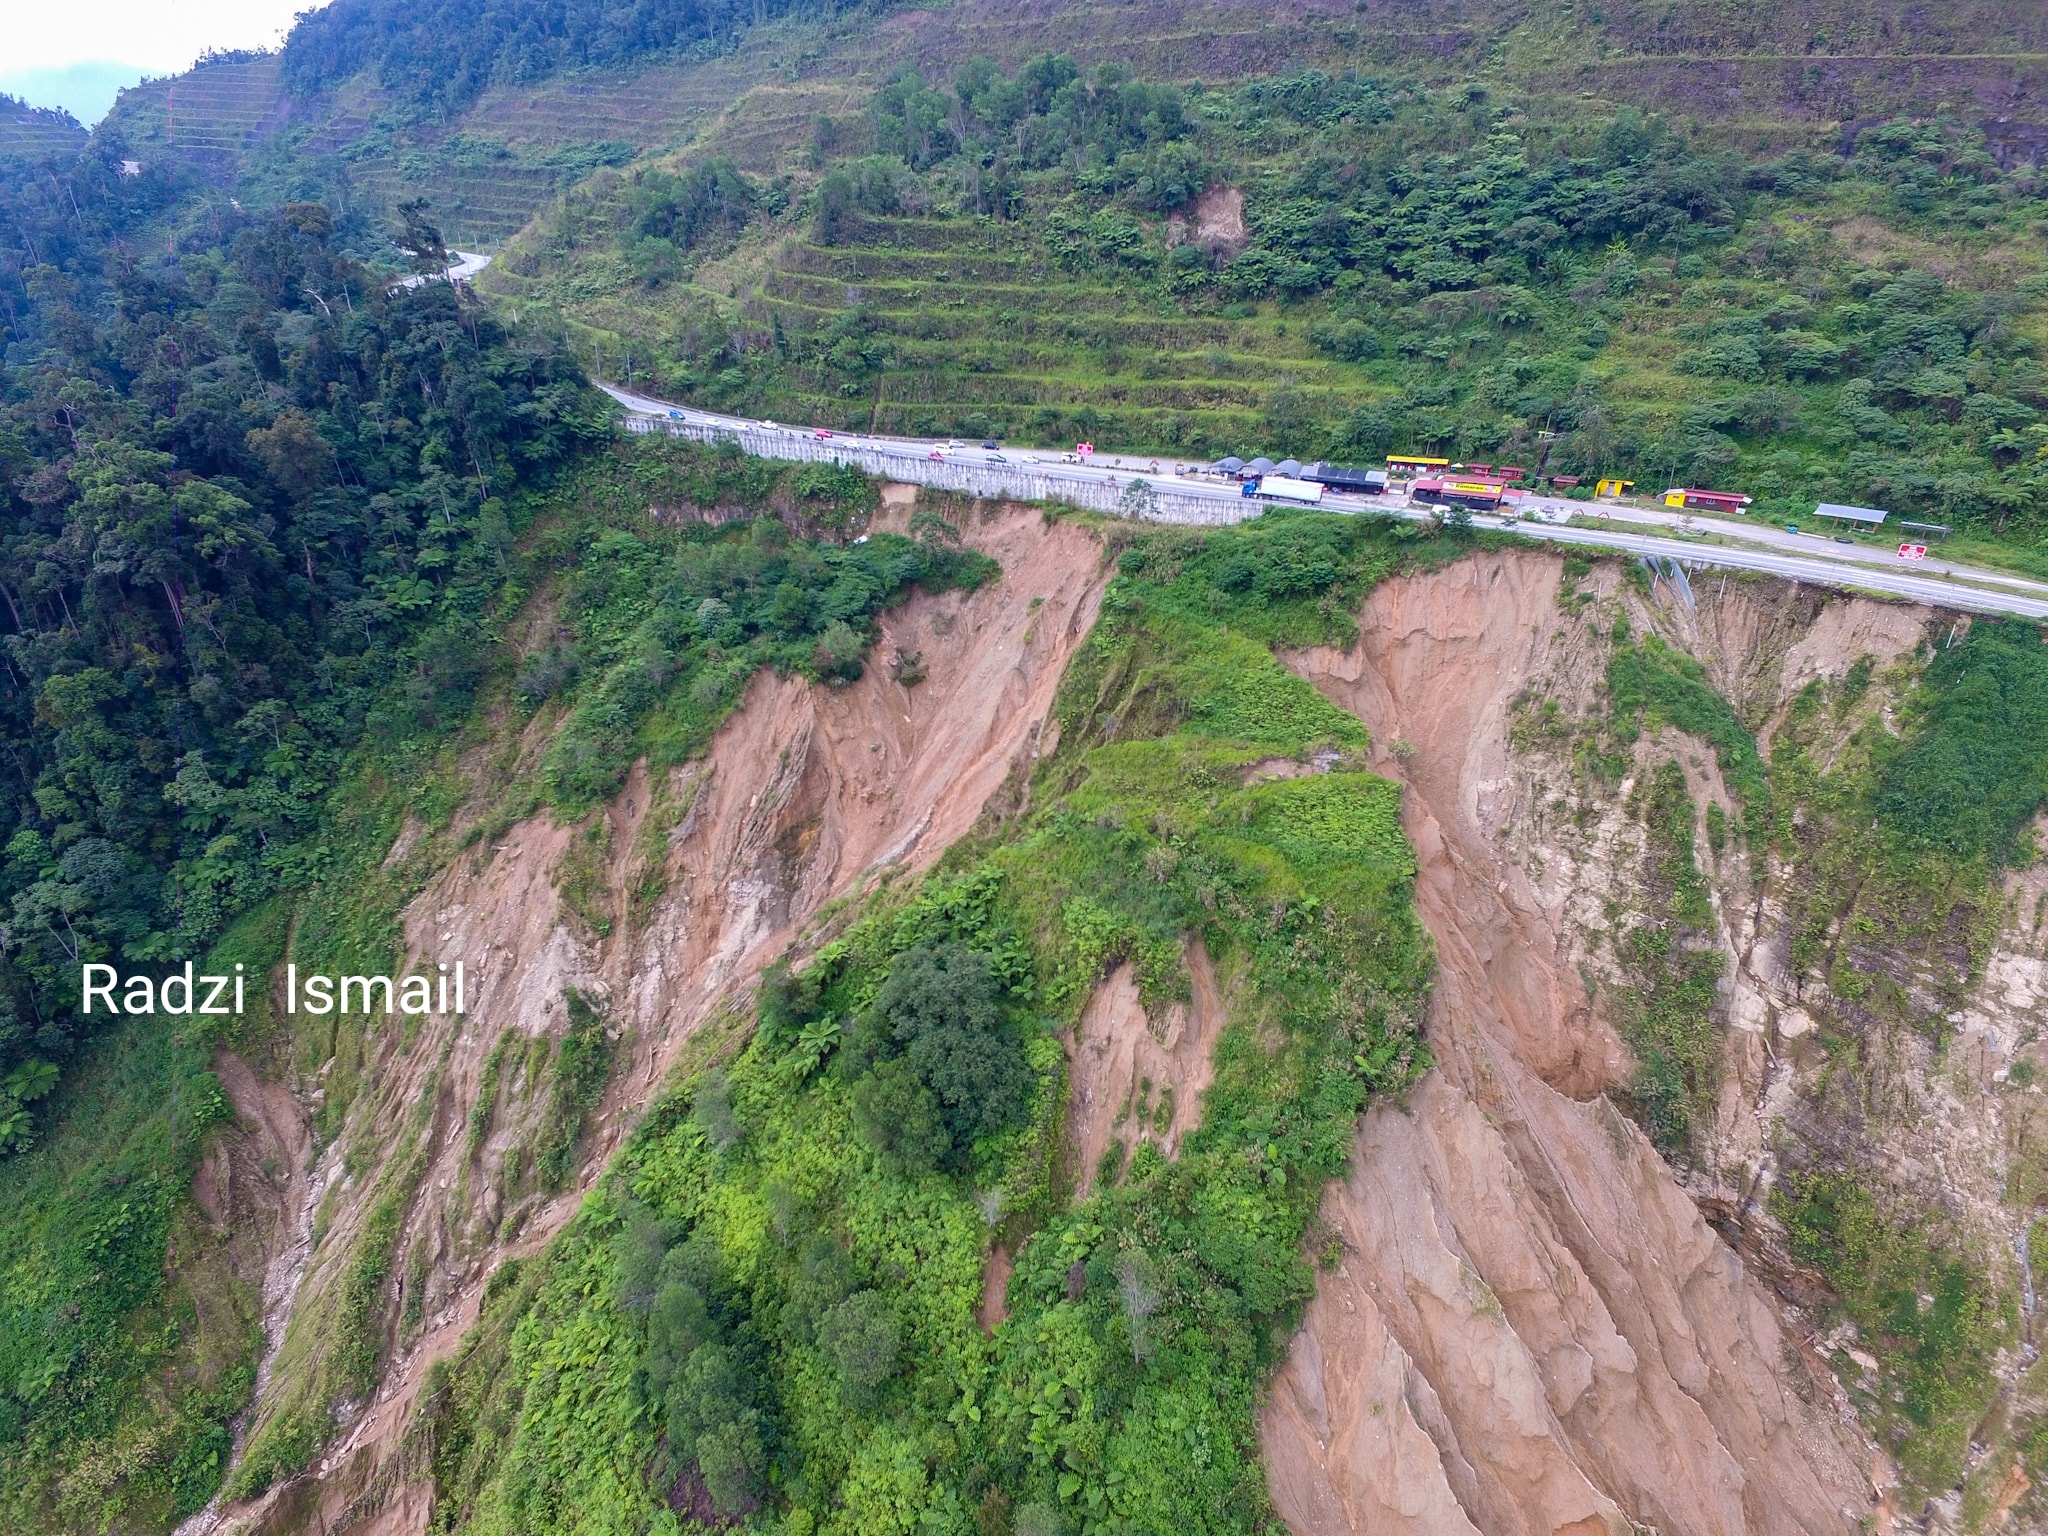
x,y
237,480
439,56
256,516
1342,265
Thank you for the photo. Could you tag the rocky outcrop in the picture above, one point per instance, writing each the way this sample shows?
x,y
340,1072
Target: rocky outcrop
x,y
1532,1328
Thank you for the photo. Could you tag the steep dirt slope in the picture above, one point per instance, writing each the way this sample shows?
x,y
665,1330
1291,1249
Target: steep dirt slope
x,y
807,794
1532,1329
1133,1079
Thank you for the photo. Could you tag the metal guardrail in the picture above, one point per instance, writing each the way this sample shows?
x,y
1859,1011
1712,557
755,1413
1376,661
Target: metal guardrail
x,y
1014,482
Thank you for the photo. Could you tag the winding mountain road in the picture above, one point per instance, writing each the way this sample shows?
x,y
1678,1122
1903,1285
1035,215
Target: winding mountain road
x,y
1799,557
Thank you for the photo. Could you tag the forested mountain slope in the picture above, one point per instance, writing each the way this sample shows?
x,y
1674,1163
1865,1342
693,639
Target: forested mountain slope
x,y
1342,265
1446,228
979,1018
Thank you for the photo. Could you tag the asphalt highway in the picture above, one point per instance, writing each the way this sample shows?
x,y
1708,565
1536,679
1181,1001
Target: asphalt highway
x,y
1812,558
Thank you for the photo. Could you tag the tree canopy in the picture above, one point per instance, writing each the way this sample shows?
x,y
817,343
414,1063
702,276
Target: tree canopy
x,y
246,487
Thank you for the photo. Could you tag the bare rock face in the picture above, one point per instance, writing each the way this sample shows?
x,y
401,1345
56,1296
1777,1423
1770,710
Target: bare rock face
x,y
1532,1329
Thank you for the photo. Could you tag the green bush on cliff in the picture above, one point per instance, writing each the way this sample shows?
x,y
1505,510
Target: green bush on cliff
x,y
668,617
1121,1389
1921,1301
1976,770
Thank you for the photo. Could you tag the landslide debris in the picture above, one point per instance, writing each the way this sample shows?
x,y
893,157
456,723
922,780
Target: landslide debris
x,y
1134,1082
1532,1328
1731,1161
1530,1316
806,794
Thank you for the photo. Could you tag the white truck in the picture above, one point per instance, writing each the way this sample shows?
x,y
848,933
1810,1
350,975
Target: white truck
x,y
1281,488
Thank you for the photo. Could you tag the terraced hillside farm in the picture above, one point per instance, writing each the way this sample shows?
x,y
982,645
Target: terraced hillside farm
x,y
1028,347
520,146
359,147
984,333
210,117
27,132
487,162
239,124
1318,265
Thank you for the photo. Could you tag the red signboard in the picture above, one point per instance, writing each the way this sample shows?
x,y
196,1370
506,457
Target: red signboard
x,y
1912,551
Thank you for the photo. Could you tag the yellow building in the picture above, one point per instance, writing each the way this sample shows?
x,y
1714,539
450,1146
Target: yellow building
x,y
1407,465
1614,487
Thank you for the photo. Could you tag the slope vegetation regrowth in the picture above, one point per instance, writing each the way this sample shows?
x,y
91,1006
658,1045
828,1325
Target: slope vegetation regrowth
x,y
771,1301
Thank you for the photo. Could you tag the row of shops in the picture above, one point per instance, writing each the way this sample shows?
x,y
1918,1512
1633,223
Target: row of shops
x,y
1486,487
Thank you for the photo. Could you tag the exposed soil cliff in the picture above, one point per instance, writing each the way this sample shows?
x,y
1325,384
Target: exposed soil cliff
x,y
1134,1080
1532,1328
682,891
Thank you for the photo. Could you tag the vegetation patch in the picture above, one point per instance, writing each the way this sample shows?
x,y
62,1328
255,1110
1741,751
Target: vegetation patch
x,y
1673,961
1649,684
666,618
769,1307
575,1088
1975,773
1921,1300
92,1334
117,1386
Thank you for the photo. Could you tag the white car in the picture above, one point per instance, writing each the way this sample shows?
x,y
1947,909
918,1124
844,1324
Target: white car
x,y
770,426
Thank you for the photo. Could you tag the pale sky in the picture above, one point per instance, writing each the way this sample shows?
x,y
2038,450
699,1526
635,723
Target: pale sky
x,y
42,41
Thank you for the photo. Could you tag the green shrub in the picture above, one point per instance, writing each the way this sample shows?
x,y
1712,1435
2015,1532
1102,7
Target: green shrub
x,y
671,622
812,1342
1649,684
1976,769
861,1338
1922,1304
582,1063
941,1010
1673,962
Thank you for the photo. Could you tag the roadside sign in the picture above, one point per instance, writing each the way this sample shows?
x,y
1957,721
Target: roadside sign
x,y
1084,447
1912,551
